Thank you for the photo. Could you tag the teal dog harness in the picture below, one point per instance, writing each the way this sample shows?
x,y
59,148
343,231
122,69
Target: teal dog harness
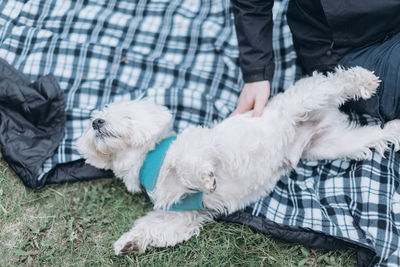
x,y
149,173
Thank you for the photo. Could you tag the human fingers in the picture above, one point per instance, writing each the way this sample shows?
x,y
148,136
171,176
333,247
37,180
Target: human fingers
x,y
261,99
259,105
242,107
245,102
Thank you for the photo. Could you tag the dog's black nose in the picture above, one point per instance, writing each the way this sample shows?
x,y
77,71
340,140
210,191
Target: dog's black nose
x,y
98,123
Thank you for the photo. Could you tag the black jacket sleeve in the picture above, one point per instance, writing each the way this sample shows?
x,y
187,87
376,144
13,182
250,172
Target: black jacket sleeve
x,y
253,22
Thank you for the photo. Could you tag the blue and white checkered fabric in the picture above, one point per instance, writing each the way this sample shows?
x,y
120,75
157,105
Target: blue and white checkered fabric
x,y
183,54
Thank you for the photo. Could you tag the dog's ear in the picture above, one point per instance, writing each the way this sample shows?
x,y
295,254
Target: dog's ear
x,y
153,122
144,132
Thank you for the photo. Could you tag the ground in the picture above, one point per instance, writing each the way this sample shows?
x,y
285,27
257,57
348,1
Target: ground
x,y
76,224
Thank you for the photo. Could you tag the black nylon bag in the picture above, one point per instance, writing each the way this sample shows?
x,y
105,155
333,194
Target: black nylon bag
x,y
32,122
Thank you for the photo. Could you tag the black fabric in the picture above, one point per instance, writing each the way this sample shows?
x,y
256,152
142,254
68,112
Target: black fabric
x,y
32,122
323,31
305,237
75,171
253,21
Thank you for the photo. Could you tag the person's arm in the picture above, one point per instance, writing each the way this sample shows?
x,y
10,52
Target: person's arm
x,y
253,23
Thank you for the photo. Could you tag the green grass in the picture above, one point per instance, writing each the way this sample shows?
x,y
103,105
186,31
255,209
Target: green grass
x,y
76,225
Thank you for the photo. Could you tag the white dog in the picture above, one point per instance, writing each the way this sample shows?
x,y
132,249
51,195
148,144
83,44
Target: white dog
x,y
237,161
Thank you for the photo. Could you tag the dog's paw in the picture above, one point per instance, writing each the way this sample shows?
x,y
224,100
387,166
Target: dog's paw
x,y
370,87
125,245
130,248
393,130
365,81
209,181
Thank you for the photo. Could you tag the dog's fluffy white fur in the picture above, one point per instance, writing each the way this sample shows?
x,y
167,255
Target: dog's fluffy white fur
x,y
237,161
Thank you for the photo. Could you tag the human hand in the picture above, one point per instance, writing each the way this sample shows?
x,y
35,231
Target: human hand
x,y
253,96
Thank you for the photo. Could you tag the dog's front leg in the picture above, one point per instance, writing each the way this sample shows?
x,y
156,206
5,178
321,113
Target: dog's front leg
x,y
197,168
160,229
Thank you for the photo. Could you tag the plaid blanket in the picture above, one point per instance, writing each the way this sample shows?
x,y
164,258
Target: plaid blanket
x,y
183,54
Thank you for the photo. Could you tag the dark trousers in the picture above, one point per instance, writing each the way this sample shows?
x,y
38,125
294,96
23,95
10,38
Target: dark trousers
x,y
384,60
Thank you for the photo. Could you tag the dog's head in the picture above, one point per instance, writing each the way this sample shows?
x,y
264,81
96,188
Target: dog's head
x,y
120,126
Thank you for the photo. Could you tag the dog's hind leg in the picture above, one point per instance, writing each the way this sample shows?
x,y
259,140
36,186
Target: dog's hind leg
x,y
320,91
353,143
160,229
353,83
